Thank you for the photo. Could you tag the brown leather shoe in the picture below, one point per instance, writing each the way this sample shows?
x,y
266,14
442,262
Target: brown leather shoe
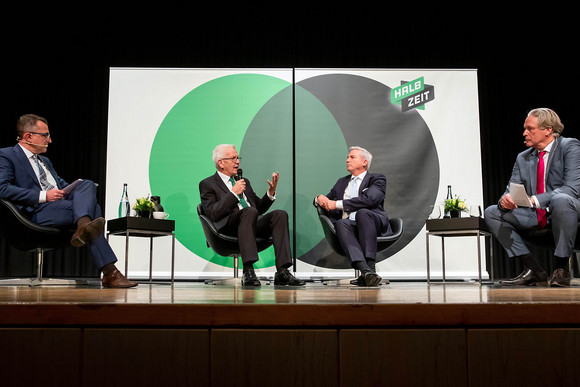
x,y
117,280
527,278
559,278
88,232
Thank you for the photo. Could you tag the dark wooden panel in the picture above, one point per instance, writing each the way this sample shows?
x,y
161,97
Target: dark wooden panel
x,y
274,358
524,357
398,357
146,357
40,357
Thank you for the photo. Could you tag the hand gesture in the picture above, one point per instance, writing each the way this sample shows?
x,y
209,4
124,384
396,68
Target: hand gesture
x,y
272,184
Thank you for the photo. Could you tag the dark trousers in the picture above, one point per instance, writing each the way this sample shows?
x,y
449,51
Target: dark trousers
x,y
358,237
82,201
248,224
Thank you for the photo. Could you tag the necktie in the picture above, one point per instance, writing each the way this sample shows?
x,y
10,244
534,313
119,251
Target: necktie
x,y
241,197
353,193
44,184
542,218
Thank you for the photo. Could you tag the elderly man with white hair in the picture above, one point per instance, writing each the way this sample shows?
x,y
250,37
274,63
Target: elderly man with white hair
x,y
237,210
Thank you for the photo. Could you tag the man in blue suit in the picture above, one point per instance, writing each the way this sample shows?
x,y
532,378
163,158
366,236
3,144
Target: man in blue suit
x,y
29,180
552,199
355,205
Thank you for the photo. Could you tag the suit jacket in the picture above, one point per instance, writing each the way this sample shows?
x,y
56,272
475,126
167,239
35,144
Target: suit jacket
x,y
371,195
18,182
219,202
562,170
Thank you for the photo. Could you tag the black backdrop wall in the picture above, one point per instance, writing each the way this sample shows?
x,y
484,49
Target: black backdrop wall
x,y
56,64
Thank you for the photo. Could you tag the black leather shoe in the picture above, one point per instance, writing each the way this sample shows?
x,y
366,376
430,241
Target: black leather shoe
x,y
372,279
249,278
527,278
285,278
559,278
360,281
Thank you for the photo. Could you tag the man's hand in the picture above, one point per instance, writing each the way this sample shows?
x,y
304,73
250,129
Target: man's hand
x,y
507,202
326,203
272,184
54,194
239,187
330,205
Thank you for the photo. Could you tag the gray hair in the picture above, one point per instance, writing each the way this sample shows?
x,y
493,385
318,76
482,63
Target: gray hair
x,y
365,154
27,123
547,118
219,151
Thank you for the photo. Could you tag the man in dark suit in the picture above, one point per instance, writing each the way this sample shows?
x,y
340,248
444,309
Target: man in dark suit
x,y
30,182
355,205
553,198
237,210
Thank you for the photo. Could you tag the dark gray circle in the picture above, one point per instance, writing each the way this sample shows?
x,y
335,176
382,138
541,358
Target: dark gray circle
x,y
402,147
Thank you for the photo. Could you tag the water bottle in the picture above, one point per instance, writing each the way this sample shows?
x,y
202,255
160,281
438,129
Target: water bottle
x,y
124,205
449,197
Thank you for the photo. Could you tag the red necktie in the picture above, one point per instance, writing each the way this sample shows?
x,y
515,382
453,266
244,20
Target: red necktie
x,y
542,218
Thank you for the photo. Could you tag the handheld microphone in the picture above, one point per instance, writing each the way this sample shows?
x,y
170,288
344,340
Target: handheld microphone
x,y
239,175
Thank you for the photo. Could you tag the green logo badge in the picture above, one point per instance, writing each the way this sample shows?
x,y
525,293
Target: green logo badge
x,y
412,95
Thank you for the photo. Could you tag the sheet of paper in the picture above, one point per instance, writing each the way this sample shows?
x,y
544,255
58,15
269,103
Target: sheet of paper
x,y
70,187
519,195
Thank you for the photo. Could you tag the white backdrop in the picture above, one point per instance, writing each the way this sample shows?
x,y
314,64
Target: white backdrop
x,y
140,100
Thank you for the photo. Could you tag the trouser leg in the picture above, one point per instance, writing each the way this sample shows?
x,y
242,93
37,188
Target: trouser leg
x,y
505,225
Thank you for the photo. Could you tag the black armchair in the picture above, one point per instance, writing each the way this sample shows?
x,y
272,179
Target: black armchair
x,y
544,239
383,242
25,235
226,245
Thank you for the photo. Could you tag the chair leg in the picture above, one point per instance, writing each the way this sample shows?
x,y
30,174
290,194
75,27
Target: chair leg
x,y
236,266
236,280
39,281
575,254
39,262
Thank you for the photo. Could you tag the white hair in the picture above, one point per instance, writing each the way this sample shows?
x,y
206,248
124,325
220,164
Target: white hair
x,y
219,152
365,154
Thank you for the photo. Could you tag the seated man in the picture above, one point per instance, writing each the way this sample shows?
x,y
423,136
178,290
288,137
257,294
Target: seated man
x,y
237,210
30,182
355,205
550,172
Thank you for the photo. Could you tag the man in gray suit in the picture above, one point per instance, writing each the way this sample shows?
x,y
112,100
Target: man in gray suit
x,y
553,198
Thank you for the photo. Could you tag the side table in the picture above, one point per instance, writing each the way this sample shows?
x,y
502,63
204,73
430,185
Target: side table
x,y
143,227
455,227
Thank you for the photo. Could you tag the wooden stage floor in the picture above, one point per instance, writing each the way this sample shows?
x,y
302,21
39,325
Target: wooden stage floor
x,y
195,304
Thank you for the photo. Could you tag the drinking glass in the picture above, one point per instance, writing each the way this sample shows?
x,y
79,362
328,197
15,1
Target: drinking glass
x,y
435,211
475,211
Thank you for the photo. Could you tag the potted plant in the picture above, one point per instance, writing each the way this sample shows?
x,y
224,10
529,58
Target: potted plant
x,y
454,207
144,207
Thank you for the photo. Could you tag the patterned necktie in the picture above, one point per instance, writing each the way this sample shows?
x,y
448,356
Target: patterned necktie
x,y
542,217
44,184
241,197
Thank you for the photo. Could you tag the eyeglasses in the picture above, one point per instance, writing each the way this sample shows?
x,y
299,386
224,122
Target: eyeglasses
x,y
233,158
46,135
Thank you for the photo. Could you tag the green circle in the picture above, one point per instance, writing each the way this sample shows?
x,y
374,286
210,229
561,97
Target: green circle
x,y
216,112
